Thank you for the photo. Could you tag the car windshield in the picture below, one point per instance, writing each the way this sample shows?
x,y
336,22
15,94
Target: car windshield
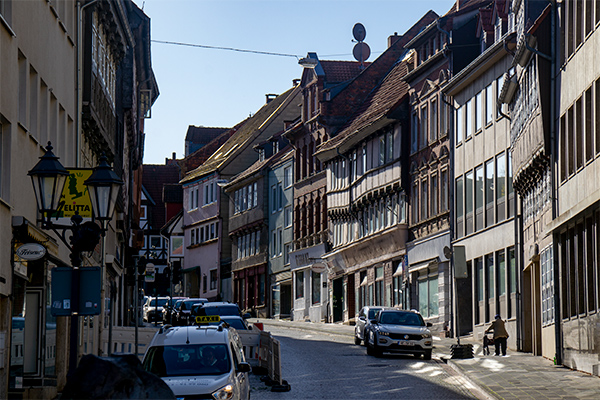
x,y
188,360
401,318
161,302
373,312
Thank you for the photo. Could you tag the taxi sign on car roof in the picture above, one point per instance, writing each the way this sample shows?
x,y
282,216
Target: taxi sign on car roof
x,y
205,319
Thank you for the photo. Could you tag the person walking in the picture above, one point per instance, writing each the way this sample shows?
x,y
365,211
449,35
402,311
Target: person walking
x,y
500,335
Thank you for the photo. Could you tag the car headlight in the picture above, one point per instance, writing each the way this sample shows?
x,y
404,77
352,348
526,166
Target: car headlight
x,y
426,336
225,393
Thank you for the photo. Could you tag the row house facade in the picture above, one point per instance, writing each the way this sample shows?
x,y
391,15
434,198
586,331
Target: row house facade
x,y
484,200
256,198
281,226
366,213
309,191
88,96
208,261
441,50
568,288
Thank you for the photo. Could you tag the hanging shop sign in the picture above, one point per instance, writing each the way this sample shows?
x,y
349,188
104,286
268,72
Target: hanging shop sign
x,y
31,251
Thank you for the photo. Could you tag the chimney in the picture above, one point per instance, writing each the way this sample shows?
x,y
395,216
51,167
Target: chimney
x,y
393,39
270,97
174,157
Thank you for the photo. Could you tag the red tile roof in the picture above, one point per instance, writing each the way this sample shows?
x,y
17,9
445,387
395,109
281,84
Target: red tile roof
x,y
341,71
383,99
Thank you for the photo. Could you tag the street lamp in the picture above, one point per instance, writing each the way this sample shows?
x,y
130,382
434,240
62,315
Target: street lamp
x,y
48,178
103,186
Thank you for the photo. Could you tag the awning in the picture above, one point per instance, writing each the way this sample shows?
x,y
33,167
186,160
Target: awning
x,y
432,262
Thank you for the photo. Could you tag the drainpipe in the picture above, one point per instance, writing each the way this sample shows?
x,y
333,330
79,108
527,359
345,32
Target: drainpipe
x,y
553,171
78,79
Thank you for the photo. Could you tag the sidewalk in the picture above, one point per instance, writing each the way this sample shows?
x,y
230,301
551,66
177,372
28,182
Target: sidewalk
x,y
516,376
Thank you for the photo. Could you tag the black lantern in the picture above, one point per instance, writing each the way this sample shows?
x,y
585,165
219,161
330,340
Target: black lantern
x,y
48,178
103,186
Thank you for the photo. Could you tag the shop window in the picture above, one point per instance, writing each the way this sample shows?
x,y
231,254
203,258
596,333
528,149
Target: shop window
x,y
213,279
299,284
428,296
316,288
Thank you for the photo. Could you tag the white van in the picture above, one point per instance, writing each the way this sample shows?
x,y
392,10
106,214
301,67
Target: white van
x,y
199,361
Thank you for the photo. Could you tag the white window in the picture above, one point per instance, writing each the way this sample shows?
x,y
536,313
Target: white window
x,y
478,111
287,176
288,216
255,194
274,198
251,196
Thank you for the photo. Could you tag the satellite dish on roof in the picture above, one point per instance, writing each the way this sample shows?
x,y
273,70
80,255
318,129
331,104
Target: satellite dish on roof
x,y
359,32
361,50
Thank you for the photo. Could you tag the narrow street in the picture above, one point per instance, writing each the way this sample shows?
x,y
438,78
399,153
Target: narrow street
x,y
324,366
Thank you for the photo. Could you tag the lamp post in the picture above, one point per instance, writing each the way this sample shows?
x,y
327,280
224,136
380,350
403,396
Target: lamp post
x,y
48,177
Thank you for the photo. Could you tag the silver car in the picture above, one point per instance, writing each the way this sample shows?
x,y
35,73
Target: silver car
x,y
363,317
399,331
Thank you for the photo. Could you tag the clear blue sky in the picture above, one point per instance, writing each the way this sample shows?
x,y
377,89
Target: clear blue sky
x,y
219,88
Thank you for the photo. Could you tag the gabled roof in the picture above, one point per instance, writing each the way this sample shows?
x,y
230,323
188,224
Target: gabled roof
x,y
373,114
243,137
259,165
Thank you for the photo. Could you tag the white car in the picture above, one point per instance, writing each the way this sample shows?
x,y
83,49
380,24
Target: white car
x,y
153,308
399,331
200,362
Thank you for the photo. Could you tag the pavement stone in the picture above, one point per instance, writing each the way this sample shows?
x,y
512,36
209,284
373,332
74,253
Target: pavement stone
x,y
515,376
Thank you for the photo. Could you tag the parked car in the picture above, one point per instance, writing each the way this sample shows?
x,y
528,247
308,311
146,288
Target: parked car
x,y
153,308
184,310
365,314
200,362
169,310
398,331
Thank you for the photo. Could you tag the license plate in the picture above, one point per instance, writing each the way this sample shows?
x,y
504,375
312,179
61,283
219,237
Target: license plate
x,y
403,343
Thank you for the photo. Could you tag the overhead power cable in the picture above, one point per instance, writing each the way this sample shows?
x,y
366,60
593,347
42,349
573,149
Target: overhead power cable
x,y
227,48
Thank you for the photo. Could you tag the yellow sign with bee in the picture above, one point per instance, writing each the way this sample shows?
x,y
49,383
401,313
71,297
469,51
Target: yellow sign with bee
x,y
205,319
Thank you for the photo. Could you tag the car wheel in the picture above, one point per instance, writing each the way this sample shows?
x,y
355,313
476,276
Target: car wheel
x,y
427,355
357,340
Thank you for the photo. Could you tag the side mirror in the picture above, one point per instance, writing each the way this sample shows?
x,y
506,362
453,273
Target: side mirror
x,y
246,316
373,321
429,324
362,318
243,367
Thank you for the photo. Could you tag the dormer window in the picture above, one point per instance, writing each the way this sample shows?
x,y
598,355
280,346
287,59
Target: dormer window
x,y
498,29
261,154
275,147
434,45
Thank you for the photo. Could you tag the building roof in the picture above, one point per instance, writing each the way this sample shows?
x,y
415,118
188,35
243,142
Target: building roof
x,y
341,71
198,157
259,165
153,179
242,137
202,134
374,112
